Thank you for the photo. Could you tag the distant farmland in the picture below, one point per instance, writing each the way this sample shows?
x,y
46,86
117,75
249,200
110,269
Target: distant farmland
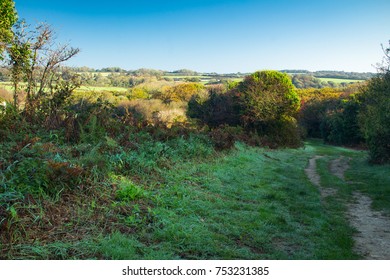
x,y
339,81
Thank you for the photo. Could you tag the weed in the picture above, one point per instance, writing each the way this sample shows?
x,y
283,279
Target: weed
x,y
128,191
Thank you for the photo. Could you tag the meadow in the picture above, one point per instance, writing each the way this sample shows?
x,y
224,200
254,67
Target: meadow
x,y
182,200
101,89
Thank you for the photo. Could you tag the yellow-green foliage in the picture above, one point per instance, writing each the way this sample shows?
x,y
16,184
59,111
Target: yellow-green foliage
x,y
181,92
311,94
314,106
127,190
8,17
138,93
149,89
267,96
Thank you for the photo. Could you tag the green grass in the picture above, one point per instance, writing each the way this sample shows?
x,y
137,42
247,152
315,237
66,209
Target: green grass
x,y
339,81
249,204
180,200
371,180
258,204
8,86
186,76
100,89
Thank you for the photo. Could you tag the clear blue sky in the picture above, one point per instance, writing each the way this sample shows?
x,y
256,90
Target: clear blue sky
x,y
219,35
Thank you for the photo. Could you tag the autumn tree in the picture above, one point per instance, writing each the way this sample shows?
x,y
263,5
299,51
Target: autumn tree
x,y
8,18
267,96
265,103
18,51
180,92
36,59
35,64
269,104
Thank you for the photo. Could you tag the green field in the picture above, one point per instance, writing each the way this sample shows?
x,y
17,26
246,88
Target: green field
x,y
339,81
101,89
8,86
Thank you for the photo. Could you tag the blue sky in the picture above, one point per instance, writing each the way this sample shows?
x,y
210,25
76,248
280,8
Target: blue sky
x,y
219,35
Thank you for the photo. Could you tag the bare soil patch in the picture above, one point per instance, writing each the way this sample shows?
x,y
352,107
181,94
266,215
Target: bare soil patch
x,y
315,179
311,171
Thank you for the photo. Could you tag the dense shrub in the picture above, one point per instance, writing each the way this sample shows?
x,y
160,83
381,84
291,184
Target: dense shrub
x,y
374,117
138,93
314,107
215,108
225,136
264,103
340,124
284,132
152,112
331,114
10,121
89,119
267,96
268,104
180,92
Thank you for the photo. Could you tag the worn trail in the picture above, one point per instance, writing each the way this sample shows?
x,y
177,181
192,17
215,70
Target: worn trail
x,y
315,179
372,239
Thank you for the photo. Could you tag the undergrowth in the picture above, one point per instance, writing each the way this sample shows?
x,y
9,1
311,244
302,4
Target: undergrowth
x,y
157,193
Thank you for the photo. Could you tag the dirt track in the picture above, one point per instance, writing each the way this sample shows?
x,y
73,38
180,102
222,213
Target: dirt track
x,y
372,239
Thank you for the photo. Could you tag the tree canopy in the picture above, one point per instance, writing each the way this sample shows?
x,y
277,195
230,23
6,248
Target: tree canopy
x,y
374,115
8,17
267,96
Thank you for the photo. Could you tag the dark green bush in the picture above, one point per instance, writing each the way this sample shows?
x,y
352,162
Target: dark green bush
x,y
315,104
216,108
331,114
374,117
340,123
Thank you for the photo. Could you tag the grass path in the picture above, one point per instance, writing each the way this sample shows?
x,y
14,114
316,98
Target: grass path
x,y
249,204
372,239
